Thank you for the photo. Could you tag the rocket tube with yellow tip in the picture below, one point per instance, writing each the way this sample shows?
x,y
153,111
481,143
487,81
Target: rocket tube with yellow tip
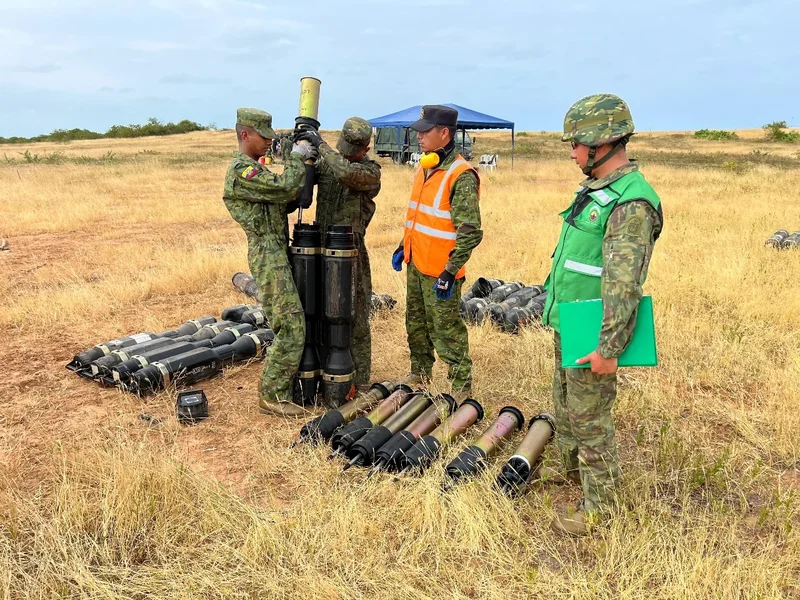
x,y
307,119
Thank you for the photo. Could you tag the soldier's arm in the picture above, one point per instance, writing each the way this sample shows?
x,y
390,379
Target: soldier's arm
x,y
627,247
265,186
465,212
359,176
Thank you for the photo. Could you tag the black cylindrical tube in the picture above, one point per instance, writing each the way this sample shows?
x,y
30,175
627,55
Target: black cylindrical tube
x,y
234,313
199,363
247,285
103,364
502,292
516,318
340,263
519,298
306,257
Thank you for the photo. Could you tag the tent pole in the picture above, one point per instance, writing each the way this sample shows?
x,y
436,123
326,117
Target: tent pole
x,y
512,147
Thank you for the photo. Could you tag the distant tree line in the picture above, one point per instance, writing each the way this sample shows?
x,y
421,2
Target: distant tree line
x,y
152,127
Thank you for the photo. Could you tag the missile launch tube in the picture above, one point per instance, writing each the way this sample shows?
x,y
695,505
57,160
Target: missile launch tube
x,y
363,451
324,426
354,431
388,455
517,472
777,238
473,458
306,259
428,447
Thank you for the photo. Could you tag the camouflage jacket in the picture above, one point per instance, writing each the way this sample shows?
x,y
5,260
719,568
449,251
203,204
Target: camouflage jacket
x,y
258,199
631,232
346,190
465,212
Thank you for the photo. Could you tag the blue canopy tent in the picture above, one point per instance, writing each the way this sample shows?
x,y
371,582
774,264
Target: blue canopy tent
x,y
467,119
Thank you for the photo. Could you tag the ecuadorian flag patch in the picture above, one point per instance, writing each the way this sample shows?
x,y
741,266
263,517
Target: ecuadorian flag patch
x,y
249,173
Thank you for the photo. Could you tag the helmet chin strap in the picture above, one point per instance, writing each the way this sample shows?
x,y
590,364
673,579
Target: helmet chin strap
x,y
591,165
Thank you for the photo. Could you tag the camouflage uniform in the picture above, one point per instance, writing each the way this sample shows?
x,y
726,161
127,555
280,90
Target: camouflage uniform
x,y
433,323
584,400
346,193
259,201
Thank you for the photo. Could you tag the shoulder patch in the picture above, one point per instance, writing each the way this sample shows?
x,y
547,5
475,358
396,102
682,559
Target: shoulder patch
x,y
601,197
249,173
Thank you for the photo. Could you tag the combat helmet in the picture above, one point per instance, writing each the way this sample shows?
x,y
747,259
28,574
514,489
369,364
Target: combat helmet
x,y
596,120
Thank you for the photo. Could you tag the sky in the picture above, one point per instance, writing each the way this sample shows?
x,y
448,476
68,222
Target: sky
x,y
680,64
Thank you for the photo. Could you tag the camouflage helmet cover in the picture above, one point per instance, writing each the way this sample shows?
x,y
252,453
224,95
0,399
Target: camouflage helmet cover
x,y
597,119
356,135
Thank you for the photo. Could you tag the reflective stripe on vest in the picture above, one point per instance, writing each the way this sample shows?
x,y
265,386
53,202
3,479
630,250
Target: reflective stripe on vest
x,y
429,233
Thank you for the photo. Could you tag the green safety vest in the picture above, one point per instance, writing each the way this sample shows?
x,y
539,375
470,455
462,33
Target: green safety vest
x,y
578,258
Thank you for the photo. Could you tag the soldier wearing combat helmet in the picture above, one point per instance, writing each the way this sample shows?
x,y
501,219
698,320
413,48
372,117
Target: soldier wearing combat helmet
x,y
604,251
347,183
260,201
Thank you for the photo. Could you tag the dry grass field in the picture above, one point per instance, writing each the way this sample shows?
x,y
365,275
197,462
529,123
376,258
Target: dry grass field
x,y
114,237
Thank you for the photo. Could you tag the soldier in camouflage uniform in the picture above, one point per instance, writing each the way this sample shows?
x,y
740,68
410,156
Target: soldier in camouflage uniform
x,y
443,227
603,251
347,183
259,201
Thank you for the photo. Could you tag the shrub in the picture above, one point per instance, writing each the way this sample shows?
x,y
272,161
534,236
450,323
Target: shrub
x,y
717,135
776,132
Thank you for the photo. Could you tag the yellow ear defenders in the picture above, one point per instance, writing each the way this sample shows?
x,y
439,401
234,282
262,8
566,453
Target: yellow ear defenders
x,y
431,159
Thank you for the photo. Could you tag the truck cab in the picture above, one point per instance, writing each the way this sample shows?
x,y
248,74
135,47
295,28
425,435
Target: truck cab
x,y
386,144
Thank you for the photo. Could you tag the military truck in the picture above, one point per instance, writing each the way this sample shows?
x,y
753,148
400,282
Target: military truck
x,y
386,144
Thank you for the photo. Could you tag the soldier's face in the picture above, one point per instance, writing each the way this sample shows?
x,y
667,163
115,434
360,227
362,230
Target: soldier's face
x,y
580,154
256,145
433,139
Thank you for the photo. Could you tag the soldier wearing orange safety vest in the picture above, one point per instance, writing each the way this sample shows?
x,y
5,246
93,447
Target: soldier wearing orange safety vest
x,y
442,228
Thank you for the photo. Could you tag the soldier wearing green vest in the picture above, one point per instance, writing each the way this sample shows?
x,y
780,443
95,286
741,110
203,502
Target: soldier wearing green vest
x,y
604,250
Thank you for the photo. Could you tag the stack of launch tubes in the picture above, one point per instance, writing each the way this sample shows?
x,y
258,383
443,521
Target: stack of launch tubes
x,y
393,428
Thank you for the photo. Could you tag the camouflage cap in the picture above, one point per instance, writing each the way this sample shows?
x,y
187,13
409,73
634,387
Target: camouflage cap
x,y
257,119
597,119
356,135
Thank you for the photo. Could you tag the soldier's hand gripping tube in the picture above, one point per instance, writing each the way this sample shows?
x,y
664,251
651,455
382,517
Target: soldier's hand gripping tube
x,y
388,456
324,426
777,239
200,363
428,447
342,440
306,257
247,285
340,263
362,453
519,469
519,298
472,460
122,373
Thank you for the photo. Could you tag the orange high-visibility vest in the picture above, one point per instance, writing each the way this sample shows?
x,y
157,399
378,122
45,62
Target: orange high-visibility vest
x,y
429,235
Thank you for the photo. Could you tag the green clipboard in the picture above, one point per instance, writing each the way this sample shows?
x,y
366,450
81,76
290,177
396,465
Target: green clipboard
x,y
580,327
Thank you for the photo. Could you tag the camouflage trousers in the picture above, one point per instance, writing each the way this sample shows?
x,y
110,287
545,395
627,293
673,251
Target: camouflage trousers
x,y
361,345
585,430
436,324
269,264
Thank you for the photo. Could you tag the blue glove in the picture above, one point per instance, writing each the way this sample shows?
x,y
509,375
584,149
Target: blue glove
x,y
444,285
397,259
